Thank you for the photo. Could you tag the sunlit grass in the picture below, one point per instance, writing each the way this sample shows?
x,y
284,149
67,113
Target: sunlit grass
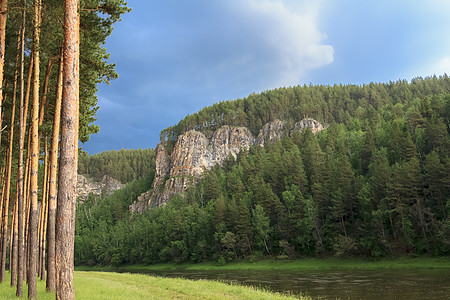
x,y
9,292
101,285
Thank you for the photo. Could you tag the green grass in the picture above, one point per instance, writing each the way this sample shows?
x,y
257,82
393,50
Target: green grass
x,y
104,285
291,265
8,292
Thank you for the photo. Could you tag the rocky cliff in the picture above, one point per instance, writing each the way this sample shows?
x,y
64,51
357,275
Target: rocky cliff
x,y
270,132
194,154
105,188
308,123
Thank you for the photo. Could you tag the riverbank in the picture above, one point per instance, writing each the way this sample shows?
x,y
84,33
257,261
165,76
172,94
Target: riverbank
x,y
291,265
115,286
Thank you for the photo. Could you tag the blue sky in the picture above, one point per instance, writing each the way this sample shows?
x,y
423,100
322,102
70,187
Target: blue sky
x,y
175,57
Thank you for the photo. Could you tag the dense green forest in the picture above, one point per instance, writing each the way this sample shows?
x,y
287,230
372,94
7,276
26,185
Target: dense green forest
x,y
375,183
327,104
123,165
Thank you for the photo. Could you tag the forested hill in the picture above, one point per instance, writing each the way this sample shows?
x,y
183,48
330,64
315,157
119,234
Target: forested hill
x,y
375,183
327,104
124,165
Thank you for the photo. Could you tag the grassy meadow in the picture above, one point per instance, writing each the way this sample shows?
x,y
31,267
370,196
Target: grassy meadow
x,y
115,286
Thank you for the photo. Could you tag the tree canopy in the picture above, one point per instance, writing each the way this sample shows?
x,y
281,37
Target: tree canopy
x,y
374,183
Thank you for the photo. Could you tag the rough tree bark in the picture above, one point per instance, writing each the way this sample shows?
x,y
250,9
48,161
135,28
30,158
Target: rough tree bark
x,y
44,233
43,209
65,211
14,225
20,202
26,174
13,243
6,196
51,271
7,192
3,14
48,72
32,293
43,215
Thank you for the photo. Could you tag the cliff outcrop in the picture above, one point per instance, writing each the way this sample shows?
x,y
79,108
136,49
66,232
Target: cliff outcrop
x,y
270,132
105,188
308,123
194,153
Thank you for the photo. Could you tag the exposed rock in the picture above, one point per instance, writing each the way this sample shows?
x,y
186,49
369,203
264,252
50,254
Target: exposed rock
x,y
194,153
191,155
229,140
141,204
172,187
271,132
105,188
162,165
308,123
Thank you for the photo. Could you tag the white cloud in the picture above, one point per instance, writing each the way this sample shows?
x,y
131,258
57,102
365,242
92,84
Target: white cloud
x,y
435,67
443,66
284,38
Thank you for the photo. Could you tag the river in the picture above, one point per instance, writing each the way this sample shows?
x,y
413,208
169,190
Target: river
x,y
332,284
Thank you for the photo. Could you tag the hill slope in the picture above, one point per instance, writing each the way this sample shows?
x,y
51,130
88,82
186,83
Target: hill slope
x,y
374,183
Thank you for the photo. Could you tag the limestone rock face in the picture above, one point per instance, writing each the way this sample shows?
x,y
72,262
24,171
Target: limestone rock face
x,y
140,206
311,123
191,155
172,187
229,140
194,153
271,132
162,165
105,188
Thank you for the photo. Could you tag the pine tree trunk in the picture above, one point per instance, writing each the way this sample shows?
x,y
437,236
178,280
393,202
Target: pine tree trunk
x,y
43,209
14,224
44,237
51,271
26,179
27,94
11,236
27,204
3,15
40,221
20,200
43,215
65,213
7,192
45,89
27,170
27,226
26,192
1,205
32,293
13,248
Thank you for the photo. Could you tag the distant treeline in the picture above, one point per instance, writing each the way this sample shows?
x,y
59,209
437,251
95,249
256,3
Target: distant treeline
x,y
327,104
123,165
375,183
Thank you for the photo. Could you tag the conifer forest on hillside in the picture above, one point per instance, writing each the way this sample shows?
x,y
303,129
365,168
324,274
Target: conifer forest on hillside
x,y
375,183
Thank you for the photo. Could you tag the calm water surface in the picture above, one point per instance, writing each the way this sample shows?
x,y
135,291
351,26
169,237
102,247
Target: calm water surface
x,y
343,284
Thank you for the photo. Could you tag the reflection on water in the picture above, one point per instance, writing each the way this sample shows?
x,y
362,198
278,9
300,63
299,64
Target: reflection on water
x,y
343,284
